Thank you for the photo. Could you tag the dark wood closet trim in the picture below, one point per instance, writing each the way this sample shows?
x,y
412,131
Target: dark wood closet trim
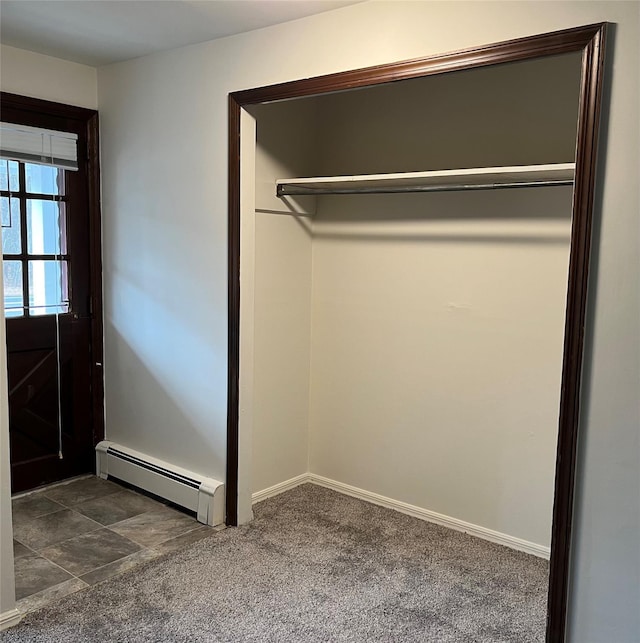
x,y
25,110
590,41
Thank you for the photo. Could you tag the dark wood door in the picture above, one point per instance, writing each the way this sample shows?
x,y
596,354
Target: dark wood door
x,y
53,351
49,399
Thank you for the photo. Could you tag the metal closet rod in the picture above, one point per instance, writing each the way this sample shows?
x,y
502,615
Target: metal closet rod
x,y
289,189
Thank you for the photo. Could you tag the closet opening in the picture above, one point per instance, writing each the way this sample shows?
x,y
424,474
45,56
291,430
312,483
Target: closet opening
x,y
408,259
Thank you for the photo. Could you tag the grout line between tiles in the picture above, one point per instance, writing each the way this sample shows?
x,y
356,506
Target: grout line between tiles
x,y
31,549
200,527
48,513
67,506
60,542
79,577
31,492
46,589
119,560
66,571
184,533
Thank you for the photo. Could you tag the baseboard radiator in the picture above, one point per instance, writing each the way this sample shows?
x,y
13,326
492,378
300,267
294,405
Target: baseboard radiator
x,y
205,496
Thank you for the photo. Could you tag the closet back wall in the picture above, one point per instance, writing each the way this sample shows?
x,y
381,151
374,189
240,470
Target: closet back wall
x,y
437,351
438,319
512,114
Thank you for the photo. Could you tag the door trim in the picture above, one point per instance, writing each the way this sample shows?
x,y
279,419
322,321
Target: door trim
x,y
23,110
590,40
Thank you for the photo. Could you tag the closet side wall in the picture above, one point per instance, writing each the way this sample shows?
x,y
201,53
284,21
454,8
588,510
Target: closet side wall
x,y
438,318
285,145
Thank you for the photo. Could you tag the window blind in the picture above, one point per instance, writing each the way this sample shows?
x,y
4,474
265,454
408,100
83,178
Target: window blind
x,y
36,145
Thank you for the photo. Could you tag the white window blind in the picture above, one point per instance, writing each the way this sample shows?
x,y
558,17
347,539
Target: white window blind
x,y
36,145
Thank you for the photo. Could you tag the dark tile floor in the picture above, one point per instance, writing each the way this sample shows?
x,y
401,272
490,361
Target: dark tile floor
x,y
73,535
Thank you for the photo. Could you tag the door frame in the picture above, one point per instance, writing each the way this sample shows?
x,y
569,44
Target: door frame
x,y
590,41
24,110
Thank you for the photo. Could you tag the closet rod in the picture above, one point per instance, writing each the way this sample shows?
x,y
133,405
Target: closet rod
x,y
288,189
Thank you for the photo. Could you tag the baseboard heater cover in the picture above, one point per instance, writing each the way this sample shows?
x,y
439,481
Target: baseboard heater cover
x,y
204,496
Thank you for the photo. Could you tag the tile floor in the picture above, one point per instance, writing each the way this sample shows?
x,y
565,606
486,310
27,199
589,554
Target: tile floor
x,y
73,535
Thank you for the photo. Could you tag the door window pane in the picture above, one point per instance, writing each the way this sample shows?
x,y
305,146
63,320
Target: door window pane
x,y
13,301
45,227
11,240
43,179
48,291
9,177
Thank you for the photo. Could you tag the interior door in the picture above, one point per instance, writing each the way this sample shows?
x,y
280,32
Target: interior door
x,y
46,242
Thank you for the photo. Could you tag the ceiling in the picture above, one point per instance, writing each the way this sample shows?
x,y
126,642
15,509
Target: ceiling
x,y
99,32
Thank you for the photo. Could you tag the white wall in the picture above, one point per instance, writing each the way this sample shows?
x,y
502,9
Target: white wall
x,y
282,347
164,134
30,74
163,251
282,281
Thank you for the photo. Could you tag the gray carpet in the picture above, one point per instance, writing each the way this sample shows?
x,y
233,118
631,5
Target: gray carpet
x,y
313,566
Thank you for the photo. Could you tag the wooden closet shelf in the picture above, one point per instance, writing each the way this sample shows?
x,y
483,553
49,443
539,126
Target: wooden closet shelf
x,y
483,178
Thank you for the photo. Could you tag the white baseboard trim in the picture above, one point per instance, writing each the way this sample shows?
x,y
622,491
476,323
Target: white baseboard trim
x,y
431,516
9,619
417,512
279,488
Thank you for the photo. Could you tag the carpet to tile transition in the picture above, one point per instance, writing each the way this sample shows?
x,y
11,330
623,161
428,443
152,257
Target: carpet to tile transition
x,y
314,565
